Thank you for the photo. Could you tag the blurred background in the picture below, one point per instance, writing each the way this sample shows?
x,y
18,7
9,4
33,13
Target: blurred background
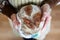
x,y
6,32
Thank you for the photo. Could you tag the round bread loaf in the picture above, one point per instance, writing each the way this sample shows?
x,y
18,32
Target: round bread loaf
x,y
30,17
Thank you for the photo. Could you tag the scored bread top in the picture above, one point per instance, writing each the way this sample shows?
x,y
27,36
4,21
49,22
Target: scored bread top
x,y
31,17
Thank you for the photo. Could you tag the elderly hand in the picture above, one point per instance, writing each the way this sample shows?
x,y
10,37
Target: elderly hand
x,y
46,18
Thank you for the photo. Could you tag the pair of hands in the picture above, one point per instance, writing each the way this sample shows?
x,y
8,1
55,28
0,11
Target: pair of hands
x,y
46,15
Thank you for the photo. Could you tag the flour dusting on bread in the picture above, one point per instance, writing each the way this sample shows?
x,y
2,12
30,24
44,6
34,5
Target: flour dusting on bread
x,y
31,17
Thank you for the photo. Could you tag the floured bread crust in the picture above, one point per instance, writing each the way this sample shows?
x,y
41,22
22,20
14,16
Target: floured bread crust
x,y
28,23
37,19
31,17
28,9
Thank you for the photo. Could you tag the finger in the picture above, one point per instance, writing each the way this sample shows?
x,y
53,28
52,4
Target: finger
x,y
48,19
45,14
46,11
43,17
46,8
14,19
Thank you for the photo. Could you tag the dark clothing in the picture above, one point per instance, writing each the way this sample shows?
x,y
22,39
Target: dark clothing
x,y
8,10
29,39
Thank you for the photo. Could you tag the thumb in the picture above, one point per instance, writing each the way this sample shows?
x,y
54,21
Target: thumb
x,y
14,19
43,17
